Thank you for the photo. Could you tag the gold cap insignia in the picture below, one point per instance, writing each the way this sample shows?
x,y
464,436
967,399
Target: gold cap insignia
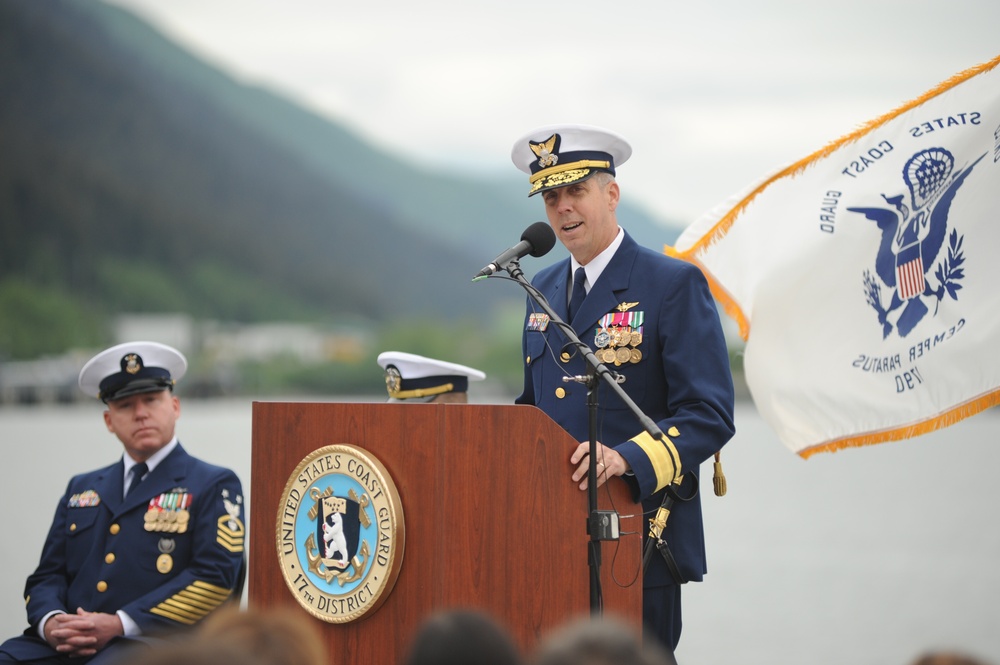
x,y
393,380
546,151
132,363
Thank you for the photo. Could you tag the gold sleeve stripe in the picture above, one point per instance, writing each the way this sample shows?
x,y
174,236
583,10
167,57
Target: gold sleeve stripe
x,y
663,456
192,603
210,588
180,615
190,607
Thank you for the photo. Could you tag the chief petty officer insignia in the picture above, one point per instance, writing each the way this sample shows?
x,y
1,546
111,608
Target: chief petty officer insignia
x,y
231,531
340,533
132,363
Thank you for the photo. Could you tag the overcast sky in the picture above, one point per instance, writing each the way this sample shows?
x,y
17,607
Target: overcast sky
x,y
712,95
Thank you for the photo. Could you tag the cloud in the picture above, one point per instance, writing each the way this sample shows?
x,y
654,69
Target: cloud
x,y
711,94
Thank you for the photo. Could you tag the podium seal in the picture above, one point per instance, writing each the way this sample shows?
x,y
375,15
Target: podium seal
x,y
340,533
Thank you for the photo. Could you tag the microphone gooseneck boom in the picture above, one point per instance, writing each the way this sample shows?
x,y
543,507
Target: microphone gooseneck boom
x,y
537,240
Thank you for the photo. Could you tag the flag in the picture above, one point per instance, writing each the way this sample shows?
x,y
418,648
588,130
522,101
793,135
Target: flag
x,y
864,278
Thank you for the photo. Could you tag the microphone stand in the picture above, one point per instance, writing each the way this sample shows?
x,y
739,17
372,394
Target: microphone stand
x,y
595,370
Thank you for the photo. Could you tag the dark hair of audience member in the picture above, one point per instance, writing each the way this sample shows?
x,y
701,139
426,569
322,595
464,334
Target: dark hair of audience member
x,y
601,640
462,637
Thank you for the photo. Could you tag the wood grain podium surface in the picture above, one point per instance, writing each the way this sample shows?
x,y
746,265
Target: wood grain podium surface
x,y
492,519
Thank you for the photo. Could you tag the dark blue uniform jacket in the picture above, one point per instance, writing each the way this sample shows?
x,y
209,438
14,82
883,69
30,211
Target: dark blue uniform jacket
x,y
167,555
681,380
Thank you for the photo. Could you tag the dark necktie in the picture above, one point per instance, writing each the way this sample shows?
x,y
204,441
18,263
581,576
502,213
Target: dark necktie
x,y
135,477
579,293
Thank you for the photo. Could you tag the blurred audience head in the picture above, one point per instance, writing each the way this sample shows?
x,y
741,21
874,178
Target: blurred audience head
x,y
462,637
278,636
948,658
598,641
192,651
232,636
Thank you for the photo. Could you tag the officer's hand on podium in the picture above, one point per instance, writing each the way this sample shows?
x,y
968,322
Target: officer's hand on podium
x,y
609,463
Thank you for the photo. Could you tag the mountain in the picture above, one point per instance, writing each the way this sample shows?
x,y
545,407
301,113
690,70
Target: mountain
x,y
136,178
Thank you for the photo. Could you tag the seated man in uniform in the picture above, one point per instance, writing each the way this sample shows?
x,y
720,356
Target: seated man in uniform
x,y
145,546
413,378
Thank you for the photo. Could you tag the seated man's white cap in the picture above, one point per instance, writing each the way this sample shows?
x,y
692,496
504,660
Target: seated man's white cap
x,y
132,368
409,376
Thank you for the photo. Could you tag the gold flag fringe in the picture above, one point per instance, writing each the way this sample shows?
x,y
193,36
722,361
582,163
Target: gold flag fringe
x,y
960,412
721,228
721,295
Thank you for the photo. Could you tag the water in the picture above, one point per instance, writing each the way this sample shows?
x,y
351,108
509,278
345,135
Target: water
x,y
866,556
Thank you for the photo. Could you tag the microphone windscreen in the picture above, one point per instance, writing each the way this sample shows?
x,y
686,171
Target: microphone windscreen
x,y
542,238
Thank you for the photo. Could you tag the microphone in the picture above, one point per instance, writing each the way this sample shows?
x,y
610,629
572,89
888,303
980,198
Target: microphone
x,y
537,240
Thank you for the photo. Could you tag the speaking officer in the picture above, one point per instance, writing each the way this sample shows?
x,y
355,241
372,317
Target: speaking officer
x,y
648,317
145,546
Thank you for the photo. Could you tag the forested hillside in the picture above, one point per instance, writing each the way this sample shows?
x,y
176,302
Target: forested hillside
x,y
135,178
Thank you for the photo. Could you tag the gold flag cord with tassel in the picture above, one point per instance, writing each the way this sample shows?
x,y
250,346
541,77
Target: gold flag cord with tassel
x,y
719,479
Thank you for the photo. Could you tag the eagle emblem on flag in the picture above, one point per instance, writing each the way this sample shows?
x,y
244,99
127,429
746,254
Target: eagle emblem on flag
x,y
912,238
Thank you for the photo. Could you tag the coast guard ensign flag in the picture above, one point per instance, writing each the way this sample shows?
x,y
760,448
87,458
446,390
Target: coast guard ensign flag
x,y
865,277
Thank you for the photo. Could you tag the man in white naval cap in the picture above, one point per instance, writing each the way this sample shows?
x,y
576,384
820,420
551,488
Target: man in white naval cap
x,y
145,546
413,378
649,318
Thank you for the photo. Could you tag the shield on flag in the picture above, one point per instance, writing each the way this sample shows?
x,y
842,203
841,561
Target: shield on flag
x,y
909,272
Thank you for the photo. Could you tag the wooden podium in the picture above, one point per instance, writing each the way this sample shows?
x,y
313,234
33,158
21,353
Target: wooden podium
x,y
492,519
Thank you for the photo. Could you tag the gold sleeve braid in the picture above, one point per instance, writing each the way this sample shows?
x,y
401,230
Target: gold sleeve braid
x,y
193,603
662,455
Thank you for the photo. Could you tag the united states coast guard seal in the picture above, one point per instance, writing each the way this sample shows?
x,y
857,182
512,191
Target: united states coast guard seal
x,y
340,533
